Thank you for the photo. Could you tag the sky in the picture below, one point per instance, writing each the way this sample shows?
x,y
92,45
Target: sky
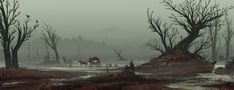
x,y
99,20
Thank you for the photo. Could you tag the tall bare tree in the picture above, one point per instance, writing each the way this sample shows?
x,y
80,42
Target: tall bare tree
x,y
193,16
166,32
12,30
214,36
24,32
7,19
51,39
229,32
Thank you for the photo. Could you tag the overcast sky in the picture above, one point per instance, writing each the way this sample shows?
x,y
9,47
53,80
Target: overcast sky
x,y
93,18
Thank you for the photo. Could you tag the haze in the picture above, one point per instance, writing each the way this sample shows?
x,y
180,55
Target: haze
x,y
94,19
121,24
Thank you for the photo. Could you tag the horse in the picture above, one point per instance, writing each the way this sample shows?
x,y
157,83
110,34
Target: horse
x,y
83,62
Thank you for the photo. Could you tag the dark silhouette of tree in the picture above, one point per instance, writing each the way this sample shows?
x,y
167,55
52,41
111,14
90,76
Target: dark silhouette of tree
x,y
165,31
24,33
193,16
214,36
118,53
51,39
229,32
7,19
12,30
201,45
132,66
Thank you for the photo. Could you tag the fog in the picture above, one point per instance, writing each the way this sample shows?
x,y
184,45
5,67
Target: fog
x,y
121,24
93,18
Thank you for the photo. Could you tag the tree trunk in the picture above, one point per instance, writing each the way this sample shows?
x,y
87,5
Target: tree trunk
x,y
214,52
183,46
227,51
15,59
56,55
7,55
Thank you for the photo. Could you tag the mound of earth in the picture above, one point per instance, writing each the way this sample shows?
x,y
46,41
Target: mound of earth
x,y
177,65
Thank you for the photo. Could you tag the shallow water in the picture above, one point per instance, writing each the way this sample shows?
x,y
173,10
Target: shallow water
x,y
188,84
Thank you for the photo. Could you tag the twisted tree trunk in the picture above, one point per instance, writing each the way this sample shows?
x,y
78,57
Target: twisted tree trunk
x,y
183,46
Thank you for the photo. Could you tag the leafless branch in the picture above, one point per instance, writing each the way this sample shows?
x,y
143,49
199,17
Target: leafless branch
x,y
201,45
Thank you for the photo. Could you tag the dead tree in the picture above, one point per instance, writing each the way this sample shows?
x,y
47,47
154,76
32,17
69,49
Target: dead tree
x,y
201,45
193,16
47,54
7,19
51,39
118,53
153,44
214,36
165,31
24,33
13,33
229,32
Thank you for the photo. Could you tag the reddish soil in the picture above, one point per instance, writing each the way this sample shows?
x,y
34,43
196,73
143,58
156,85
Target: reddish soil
x,y
24,79
13,74
177,65
29,85
115,82
115,86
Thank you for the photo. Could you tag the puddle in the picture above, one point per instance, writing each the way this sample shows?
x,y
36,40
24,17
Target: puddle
x,y
7,84
59,82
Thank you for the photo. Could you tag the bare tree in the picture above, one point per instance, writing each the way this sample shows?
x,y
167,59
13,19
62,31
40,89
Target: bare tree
x,y
118,53
46,56
7,19
229,32
51,39
193,16
201,45
153,44
24,33
214,36
21,33
165,31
